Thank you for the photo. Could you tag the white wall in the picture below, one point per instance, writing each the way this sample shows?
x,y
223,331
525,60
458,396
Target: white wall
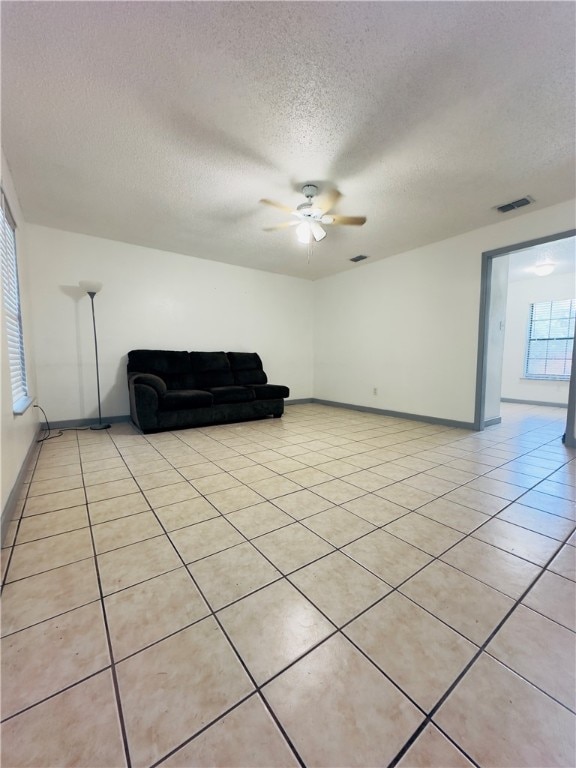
x,y
155,300
408,325
17,432
522,293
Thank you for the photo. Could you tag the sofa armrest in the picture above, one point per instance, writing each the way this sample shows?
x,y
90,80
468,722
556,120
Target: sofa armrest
x,y
146,391
150,380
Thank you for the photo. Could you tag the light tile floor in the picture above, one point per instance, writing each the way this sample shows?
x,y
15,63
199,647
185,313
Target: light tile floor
x,y
334,588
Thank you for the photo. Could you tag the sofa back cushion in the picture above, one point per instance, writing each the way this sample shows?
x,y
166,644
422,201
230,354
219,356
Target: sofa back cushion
x,y
247,368
174,368
211,369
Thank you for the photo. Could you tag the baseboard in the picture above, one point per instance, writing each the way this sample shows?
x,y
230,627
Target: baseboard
x,y
493,422
398,414
533,402
8,511
80,423
299,401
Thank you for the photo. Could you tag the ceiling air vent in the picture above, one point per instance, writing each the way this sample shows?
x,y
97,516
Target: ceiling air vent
x,y
515,204
358,258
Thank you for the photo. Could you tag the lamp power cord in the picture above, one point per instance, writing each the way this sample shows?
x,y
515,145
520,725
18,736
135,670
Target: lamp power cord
x,y
60,432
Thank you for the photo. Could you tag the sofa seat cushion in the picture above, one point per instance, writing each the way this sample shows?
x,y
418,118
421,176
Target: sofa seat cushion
x,y
181,399
270,391
232,394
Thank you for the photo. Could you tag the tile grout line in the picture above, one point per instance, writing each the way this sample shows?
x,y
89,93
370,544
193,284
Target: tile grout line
x,y
54,694
213,615
534,685
473,660
393,481
20,516
416,510
338,631
408,511
351,541
542,571
119,708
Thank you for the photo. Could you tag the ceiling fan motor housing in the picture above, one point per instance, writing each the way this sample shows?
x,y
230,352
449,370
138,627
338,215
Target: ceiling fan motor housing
x,y
309,211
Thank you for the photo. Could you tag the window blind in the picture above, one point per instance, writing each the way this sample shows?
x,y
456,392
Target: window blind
x,y
550,339
11,296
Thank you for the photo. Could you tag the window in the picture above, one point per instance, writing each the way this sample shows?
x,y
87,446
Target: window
x,y
12,315
550,339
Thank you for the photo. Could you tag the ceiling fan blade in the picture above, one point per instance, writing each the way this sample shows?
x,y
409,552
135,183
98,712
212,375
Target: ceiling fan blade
x,y
281,226
328,200
354,220
274,204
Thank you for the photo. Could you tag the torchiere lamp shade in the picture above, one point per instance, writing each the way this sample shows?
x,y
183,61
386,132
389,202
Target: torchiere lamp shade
x,y
90,286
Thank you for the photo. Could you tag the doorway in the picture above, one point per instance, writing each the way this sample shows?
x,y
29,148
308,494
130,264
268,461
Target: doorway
x,y
492,326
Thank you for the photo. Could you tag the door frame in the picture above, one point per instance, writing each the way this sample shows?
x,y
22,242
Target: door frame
x,y
481,365
570,434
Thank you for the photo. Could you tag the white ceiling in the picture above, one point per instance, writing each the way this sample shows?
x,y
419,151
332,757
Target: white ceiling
x,y
163,123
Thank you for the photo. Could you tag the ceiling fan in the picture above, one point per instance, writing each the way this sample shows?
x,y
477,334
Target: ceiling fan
x,y
310,216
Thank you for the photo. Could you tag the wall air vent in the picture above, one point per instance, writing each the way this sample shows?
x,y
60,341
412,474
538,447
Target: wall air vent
x,y
358,258
515,204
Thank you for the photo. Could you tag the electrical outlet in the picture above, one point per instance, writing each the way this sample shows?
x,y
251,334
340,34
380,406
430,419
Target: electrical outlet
x,y
375,391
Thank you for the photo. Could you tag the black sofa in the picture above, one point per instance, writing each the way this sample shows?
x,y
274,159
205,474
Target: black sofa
x,y
176,390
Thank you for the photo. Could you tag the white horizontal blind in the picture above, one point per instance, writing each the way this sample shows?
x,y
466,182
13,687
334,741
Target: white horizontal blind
x,y
550,339
11,294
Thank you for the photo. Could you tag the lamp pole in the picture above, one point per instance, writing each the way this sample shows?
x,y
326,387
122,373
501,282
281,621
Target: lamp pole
x,y
92,289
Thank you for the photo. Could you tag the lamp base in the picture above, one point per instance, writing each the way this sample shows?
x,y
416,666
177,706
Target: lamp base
x,y
100,426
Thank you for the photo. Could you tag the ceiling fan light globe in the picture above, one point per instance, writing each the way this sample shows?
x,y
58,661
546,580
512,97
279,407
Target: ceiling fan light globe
x,y
327,219
317,231
304,233
545,269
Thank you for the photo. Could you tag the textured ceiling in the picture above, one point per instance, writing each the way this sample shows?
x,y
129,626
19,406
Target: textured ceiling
x,y
163,123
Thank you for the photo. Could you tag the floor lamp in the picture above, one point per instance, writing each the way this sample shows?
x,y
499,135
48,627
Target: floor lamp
x,y
92,288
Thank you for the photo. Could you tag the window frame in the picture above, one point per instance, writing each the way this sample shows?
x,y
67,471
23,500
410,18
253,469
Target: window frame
x,y
12,310
530,338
